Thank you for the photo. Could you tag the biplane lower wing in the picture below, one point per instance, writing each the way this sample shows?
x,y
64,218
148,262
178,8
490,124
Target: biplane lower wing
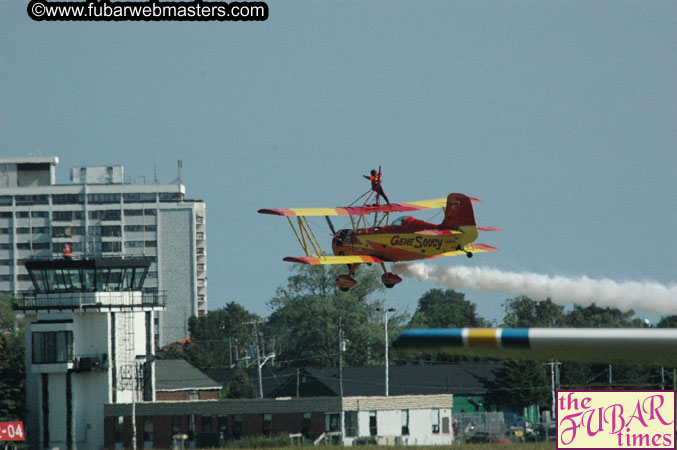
x,y
362,210
473,248
347,259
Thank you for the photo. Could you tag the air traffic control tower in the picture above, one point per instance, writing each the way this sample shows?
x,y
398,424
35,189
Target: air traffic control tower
x,y
89,342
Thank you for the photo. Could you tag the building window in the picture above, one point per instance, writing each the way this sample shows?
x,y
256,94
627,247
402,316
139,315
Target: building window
x,y
52,347
117,431
151,244
111,230
110,247
405,422
103,198
206,424
133,228
148,428
176,425
31,199
133,212
150,212
223,427
351,423
23,230
237,427
105,214
66,216
170,196
305,425
267,428
67,199
138,197
40,214
435,419
134,244
332,422
6,200
151,228
373,428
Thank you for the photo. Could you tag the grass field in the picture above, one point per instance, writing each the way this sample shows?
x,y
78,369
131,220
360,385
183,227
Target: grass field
x,y
516,446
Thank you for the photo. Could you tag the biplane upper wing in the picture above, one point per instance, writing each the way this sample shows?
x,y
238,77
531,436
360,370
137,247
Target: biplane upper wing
x,y
474,248
347,259
361,210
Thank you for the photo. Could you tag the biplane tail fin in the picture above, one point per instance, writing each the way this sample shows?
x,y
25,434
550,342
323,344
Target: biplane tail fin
x,y
459,212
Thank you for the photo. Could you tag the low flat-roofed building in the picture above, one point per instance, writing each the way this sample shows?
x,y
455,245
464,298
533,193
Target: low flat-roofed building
x,y
395,420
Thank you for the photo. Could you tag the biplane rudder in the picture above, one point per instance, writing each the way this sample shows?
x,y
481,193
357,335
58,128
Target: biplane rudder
x,y
458,213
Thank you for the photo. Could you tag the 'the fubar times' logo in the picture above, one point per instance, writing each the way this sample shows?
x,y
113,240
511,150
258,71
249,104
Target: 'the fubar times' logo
x,y
615,419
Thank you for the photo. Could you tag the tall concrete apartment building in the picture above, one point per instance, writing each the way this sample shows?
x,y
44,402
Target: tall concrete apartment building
x,y
98,215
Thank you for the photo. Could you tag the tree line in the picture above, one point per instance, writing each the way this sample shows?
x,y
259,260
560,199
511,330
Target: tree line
x,y
310,318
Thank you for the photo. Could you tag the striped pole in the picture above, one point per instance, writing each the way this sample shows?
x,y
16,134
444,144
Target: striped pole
x,y
604,345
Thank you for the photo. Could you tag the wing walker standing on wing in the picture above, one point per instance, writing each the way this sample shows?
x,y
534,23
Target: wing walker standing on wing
x,y
380,241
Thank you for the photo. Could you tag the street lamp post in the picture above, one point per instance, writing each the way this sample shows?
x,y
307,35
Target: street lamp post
x,y
385,326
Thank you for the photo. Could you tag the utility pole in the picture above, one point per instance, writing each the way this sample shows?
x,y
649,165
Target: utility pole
x,y
554,380
385,326
340,339
258,355
258,360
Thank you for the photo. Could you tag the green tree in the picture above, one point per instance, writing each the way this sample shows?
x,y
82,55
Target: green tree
x,y
309,312
667,322
439,308
525,312
518,384
595,317
239,387
12,365
218,334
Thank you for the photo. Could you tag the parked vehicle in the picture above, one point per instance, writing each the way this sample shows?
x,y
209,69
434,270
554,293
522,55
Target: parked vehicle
x,y
484,437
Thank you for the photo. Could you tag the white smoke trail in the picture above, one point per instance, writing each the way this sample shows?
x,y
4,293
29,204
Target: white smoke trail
x,y
650,296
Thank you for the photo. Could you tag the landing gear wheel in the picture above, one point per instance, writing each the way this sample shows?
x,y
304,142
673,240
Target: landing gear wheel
x,y
345,282
390,279
469,254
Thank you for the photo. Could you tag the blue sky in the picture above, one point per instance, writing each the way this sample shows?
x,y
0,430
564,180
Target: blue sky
x,y
559,115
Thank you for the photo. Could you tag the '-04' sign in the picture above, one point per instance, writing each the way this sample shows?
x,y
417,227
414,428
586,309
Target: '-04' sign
x,y
12,431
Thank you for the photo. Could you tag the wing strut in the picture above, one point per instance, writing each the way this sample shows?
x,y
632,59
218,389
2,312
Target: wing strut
x,y
305,235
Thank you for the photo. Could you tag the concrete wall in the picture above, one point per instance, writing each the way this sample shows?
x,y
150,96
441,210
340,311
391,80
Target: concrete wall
x,y
176,270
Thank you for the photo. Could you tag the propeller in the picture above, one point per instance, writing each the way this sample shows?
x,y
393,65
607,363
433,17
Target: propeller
x,y
331,225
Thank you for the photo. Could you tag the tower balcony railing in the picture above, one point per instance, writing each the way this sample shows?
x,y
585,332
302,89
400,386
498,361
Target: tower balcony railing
x,y
116,300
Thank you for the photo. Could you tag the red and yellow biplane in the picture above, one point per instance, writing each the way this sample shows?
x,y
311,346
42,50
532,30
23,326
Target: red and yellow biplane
x,y
380,241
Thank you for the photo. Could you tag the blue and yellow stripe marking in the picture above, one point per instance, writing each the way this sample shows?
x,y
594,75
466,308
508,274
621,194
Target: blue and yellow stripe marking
x,y
464,337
